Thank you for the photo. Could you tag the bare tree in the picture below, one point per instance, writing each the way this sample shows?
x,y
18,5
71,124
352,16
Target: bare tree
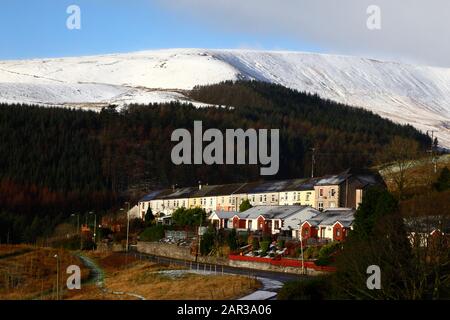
x,y
397,159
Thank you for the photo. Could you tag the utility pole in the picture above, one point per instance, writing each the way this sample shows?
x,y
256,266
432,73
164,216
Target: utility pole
x,y
301,248
128,222
313,161
57,276
431,151
199,238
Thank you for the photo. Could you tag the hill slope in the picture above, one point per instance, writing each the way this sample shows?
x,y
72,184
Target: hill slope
x,y
417,95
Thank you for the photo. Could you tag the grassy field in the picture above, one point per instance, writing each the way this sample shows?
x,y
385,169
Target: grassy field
x,y
133,279
418,174
29,273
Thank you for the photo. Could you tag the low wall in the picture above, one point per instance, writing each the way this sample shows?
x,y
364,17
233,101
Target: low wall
x,y
266,264
289,265
175,252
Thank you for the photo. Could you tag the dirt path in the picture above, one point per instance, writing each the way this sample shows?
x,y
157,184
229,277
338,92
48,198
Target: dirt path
x,y
97,276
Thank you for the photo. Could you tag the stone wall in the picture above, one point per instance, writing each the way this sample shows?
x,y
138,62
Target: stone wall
x,y
183,253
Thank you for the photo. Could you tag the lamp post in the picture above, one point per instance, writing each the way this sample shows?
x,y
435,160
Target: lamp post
x,y
78,227
301,249
57,276
128,223
95,227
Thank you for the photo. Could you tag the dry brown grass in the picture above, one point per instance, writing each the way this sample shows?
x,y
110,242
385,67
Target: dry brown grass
x,y
144,278
419,176
31,273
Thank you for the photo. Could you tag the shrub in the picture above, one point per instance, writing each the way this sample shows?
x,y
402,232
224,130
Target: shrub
x,y
153,233
264,245
318,288
281,244
232,240
255,243
329,249
311,252
207,243
243,239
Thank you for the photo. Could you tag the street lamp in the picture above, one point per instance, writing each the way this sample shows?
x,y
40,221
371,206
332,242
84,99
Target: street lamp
x,y
78,227
128,222
95,226
301,249
57,276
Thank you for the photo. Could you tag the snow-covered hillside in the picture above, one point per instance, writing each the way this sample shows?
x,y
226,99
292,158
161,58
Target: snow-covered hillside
x,y
418,95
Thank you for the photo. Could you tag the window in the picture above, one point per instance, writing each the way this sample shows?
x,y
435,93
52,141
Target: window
x,y
265,198
320,192
320,205
250,224
273,198
332,193
338,232
277,224
260,198
308,195
253,198
332,205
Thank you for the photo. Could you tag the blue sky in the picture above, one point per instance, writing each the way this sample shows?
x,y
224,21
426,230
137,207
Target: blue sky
x,y
414,31
32,29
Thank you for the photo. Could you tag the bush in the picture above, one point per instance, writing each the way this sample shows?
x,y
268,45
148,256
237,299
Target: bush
x,y
318,288
243,239
255,243
207,243
327,250
245,205
281,244
153,233
323,261
264,245
311,252
232,240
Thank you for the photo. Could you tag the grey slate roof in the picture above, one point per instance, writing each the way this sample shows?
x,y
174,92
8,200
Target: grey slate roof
x,y
363,179
225,214
330,217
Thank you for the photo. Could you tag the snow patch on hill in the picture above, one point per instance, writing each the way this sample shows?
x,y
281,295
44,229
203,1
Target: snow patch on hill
x,y
417,95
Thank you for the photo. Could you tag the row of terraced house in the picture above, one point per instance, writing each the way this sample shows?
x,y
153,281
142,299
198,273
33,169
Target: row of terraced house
x,y
309,207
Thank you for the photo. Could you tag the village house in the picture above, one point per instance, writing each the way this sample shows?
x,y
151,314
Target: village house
x,y
344,190
298,192
330,225
222,219
265,219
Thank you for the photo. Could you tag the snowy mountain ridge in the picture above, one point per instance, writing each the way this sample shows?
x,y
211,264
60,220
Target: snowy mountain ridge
x,y
418,95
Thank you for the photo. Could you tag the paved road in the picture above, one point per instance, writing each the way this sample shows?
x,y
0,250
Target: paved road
x,y
271,281
278,276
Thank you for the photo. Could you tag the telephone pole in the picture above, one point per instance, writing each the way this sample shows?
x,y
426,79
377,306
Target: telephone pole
x,y
431,151
313,161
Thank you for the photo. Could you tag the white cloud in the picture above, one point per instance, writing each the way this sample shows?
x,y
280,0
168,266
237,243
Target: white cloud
x,y
412,30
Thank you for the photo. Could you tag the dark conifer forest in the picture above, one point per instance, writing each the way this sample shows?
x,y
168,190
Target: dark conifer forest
x,y
56,161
